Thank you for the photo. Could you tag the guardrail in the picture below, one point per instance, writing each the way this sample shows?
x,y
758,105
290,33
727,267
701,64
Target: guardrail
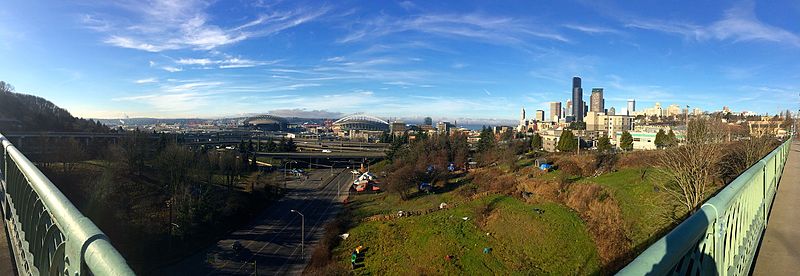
x,y
48,235
722,237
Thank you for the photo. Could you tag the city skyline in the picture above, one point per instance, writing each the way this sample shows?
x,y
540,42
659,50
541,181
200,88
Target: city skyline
x,y
169,59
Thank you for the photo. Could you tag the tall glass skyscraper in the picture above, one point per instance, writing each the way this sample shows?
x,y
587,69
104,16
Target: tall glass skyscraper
x,y
577,99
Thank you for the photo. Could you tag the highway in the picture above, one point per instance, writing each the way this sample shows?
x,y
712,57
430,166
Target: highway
x,y
273,240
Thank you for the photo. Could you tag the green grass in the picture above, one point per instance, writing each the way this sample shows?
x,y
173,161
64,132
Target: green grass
x,y
523,241
645,210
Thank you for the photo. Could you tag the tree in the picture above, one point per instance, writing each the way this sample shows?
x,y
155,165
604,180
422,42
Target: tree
x,y
70,152
671,139
567,141
661,139
507,135
536,142
486,141
290,145
603,144
626,141
688,170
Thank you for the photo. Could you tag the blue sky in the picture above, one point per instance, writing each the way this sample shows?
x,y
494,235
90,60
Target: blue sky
x,y
473,59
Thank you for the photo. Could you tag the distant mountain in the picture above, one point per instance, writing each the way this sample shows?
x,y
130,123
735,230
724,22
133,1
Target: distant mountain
x,y
21,112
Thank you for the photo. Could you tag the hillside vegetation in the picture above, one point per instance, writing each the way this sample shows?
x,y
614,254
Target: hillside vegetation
x,y
21,112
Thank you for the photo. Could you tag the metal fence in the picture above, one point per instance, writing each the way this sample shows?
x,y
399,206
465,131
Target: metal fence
x,y
48,235
722,237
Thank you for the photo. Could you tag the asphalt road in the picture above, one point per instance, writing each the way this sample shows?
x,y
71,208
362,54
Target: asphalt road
x,y
273,240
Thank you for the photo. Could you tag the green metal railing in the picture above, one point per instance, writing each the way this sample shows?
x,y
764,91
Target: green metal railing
x,y
722,237
48,235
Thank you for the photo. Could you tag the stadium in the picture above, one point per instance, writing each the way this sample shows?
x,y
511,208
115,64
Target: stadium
x,y
266,122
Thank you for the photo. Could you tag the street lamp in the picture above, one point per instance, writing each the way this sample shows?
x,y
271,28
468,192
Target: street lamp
x,y
302,232
284,172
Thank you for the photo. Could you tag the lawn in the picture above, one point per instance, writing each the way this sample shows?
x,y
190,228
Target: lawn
x,y
523,241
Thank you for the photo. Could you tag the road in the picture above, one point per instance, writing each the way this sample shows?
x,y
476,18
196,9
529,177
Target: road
x,y
273,239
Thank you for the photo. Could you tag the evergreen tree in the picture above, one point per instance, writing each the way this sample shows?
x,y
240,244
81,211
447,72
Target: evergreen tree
x,y
603,144
536,142
671,139
290,145
661,139
626,141
486,141
567,141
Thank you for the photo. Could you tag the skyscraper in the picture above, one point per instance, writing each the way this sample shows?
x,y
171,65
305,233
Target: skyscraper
x,y
631,107
428,121
577,99
596,101
555,111
540,115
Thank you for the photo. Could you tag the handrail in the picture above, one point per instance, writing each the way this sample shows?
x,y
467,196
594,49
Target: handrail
x,y
49,234
721,238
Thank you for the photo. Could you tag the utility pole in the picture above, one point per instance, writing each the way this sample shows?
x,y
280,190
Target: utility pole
x,y
302,233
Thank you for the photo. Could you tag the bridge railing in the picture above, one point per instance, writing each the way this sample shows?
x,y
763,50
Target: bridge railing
x,y
48,235
722,237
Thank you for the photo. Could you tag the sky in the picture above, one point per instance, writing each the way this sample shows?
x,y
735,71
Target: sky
x,y
467,59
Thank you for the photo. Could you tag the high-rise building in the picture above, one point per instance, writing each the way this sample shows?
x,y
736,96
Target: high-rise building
x,y
569,108
631,107
596,100
577,99
612,111
540,115
522,124
428,121
555,111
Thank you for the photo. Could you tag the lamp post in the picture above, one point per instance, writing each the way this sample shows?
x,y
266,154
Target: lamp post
x,y
284,172
302,232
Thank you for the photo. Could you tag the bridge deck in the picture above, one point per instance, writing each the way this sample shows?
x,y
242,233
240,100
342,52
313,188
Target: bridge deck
x,y
6,263
780,249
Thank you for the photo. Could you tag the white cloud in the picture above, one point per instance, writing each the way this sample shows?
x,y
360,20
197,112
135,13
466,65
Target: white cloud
x,y
147,80
161,25
172,69
738,23
230,62
592,29
483,28
195,61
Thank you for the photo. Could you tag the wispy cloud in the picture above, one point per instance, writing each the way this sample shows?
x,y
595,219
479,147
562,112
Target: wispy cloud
x,y
592,29
231,62
171,69
161,25
738,24
147,80
483,28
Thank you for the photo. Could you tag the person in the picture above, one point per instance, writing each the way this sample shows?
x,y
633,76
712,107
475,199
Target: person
x,y
353,258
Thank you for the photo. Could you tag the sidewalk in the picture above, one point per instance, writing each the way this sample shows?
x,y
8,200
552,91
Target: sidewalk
x,y
780,250
6,264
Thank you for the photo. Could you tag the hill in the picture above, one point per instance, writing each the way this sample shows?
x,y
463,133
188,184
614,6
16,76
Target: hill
x,y
21,112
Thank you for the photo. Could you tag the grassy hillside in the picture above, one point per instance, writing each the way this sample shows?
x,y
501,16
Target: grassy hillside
x,y
550,241
645,210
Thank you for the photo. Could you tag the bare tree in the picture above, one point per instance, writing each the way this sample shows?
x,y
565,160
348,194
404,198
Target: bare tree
x,y
690,169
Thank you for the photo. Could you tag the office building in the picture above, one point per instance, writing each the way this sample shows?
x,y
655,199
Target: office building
x,y
428,121
577,99
555,111
596,100
611,111
610,124
631,107
539,115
